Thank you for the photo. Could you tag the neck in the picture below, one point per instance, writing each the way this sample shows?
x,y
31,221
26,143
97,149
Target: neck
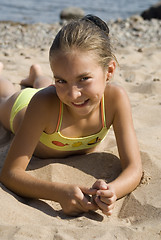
x,y
78,117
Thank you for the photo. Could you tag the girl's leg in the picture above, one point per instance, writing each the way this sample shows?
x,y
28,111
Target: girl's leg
x,y
6,87
36,78
6,91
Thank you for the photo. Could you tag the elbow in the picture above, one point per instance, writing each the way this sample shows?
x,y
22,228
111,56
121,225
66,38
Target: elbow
x,y
6,178
134,175
139,170
138,173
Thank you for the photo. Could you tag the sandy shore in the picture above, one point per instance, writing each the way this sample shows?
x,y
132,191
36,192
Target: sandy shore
x,y
136,216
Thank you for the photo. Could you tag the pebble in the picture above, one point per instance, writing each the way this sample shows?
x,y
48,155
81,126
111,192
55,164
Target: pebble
x,y
133,31
136,32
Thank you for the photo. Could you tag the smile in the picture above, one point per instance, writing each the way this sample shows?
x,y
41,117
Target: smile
x,y
80,104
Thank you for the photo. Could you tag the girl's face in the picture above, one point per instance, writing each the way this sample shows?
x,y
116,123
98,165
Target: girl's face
x,y
80,81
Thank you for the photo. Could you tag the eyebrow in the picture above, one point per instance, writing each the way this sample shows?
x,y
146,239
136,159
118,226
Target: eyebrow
x,y
57,77
79,76
84,74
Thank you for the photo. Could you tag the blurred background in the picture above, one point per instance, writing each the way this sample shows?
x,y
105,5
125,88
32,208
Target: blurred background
x,y
48,11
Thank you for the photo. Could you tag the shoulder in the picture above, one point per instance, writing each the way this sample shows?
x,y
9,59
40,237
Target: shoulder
x,y
115,95
44,102
46,94
114,91
45,97
116,102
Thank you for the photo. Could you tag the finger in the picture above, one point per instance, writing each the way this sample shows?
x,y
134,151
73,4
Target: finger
x,y
109,213
105,193
108,201
87,203
103,206
74,210
100,184
89,191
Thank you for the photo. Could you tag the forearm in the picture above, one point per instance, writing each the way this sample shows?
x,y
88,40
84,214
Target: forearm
x,y
127,181
71,197
25,185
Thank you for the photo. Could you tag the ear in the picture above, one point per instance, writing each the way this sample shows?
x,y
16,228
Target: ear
x,y
111,69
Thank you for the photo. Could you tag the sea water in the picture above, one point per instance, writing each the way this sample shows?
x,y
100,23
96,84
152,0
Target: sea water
x,y
48,11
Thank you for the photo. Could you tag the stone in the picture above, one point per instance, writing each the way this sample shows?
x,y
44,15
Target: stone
x,y
152,12
136,18
71,13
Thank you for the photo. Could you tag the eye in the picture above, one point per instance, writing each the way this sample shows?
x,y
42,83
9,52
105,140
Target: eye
x,y
61,81
84,79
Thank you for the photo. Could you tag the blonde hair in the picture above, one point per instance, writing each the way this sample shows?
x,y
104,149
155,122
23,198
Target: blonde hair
x,y
87,34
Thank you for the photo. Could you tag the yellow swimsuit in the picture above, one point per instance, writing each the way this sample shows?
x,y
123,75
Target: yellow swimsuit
x,y
56,140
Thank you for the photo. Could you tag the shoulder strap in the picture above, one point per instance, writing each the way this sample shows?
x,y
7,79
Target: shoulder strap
x,y
103,112
60,117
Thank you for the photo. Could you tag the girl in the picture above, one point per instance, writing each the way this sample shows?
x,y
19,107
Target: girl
x,y
71,117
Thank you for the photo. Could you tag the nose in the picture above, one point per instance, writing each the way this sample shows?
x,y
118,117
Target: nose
x,y
74,92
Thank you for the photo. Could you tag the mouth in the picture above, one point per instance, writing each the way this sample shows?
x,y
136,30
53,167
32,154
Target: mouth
x,y
80,104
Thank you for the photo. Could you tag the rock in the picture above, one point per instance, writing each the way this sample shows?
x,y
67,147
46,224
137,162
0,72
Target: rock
x,y
140,50
71,13
152,12
136,18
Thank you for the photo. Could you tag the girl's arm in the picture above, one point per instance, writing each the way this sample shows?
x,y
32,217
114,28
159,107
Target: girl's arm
x,y
129,154
14,176
127,147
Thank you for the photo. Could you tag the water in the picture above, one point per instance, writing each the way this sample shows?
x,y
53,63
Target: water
x,y
48,11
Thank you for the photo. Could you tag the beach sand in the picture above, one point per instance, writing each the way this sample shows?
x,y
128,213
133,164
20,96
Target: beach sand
x,y
136,216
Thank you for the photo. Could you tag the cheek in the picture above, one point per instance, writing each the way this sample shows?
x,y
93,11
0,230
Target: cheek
x,y
60,92
96,93
98,87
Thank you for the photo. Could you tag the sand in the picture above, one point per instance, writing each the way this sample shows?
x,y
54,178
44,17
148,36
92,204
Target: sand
x,y
136,216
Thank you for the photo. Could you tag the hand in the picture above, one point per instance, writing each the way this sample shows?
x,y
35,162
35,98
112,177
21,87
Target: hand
x,y
75,200
105,197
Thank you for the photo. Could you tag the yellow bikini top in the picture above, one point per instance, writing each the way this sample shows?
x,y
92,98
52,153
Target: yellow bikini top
x,y
59,142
